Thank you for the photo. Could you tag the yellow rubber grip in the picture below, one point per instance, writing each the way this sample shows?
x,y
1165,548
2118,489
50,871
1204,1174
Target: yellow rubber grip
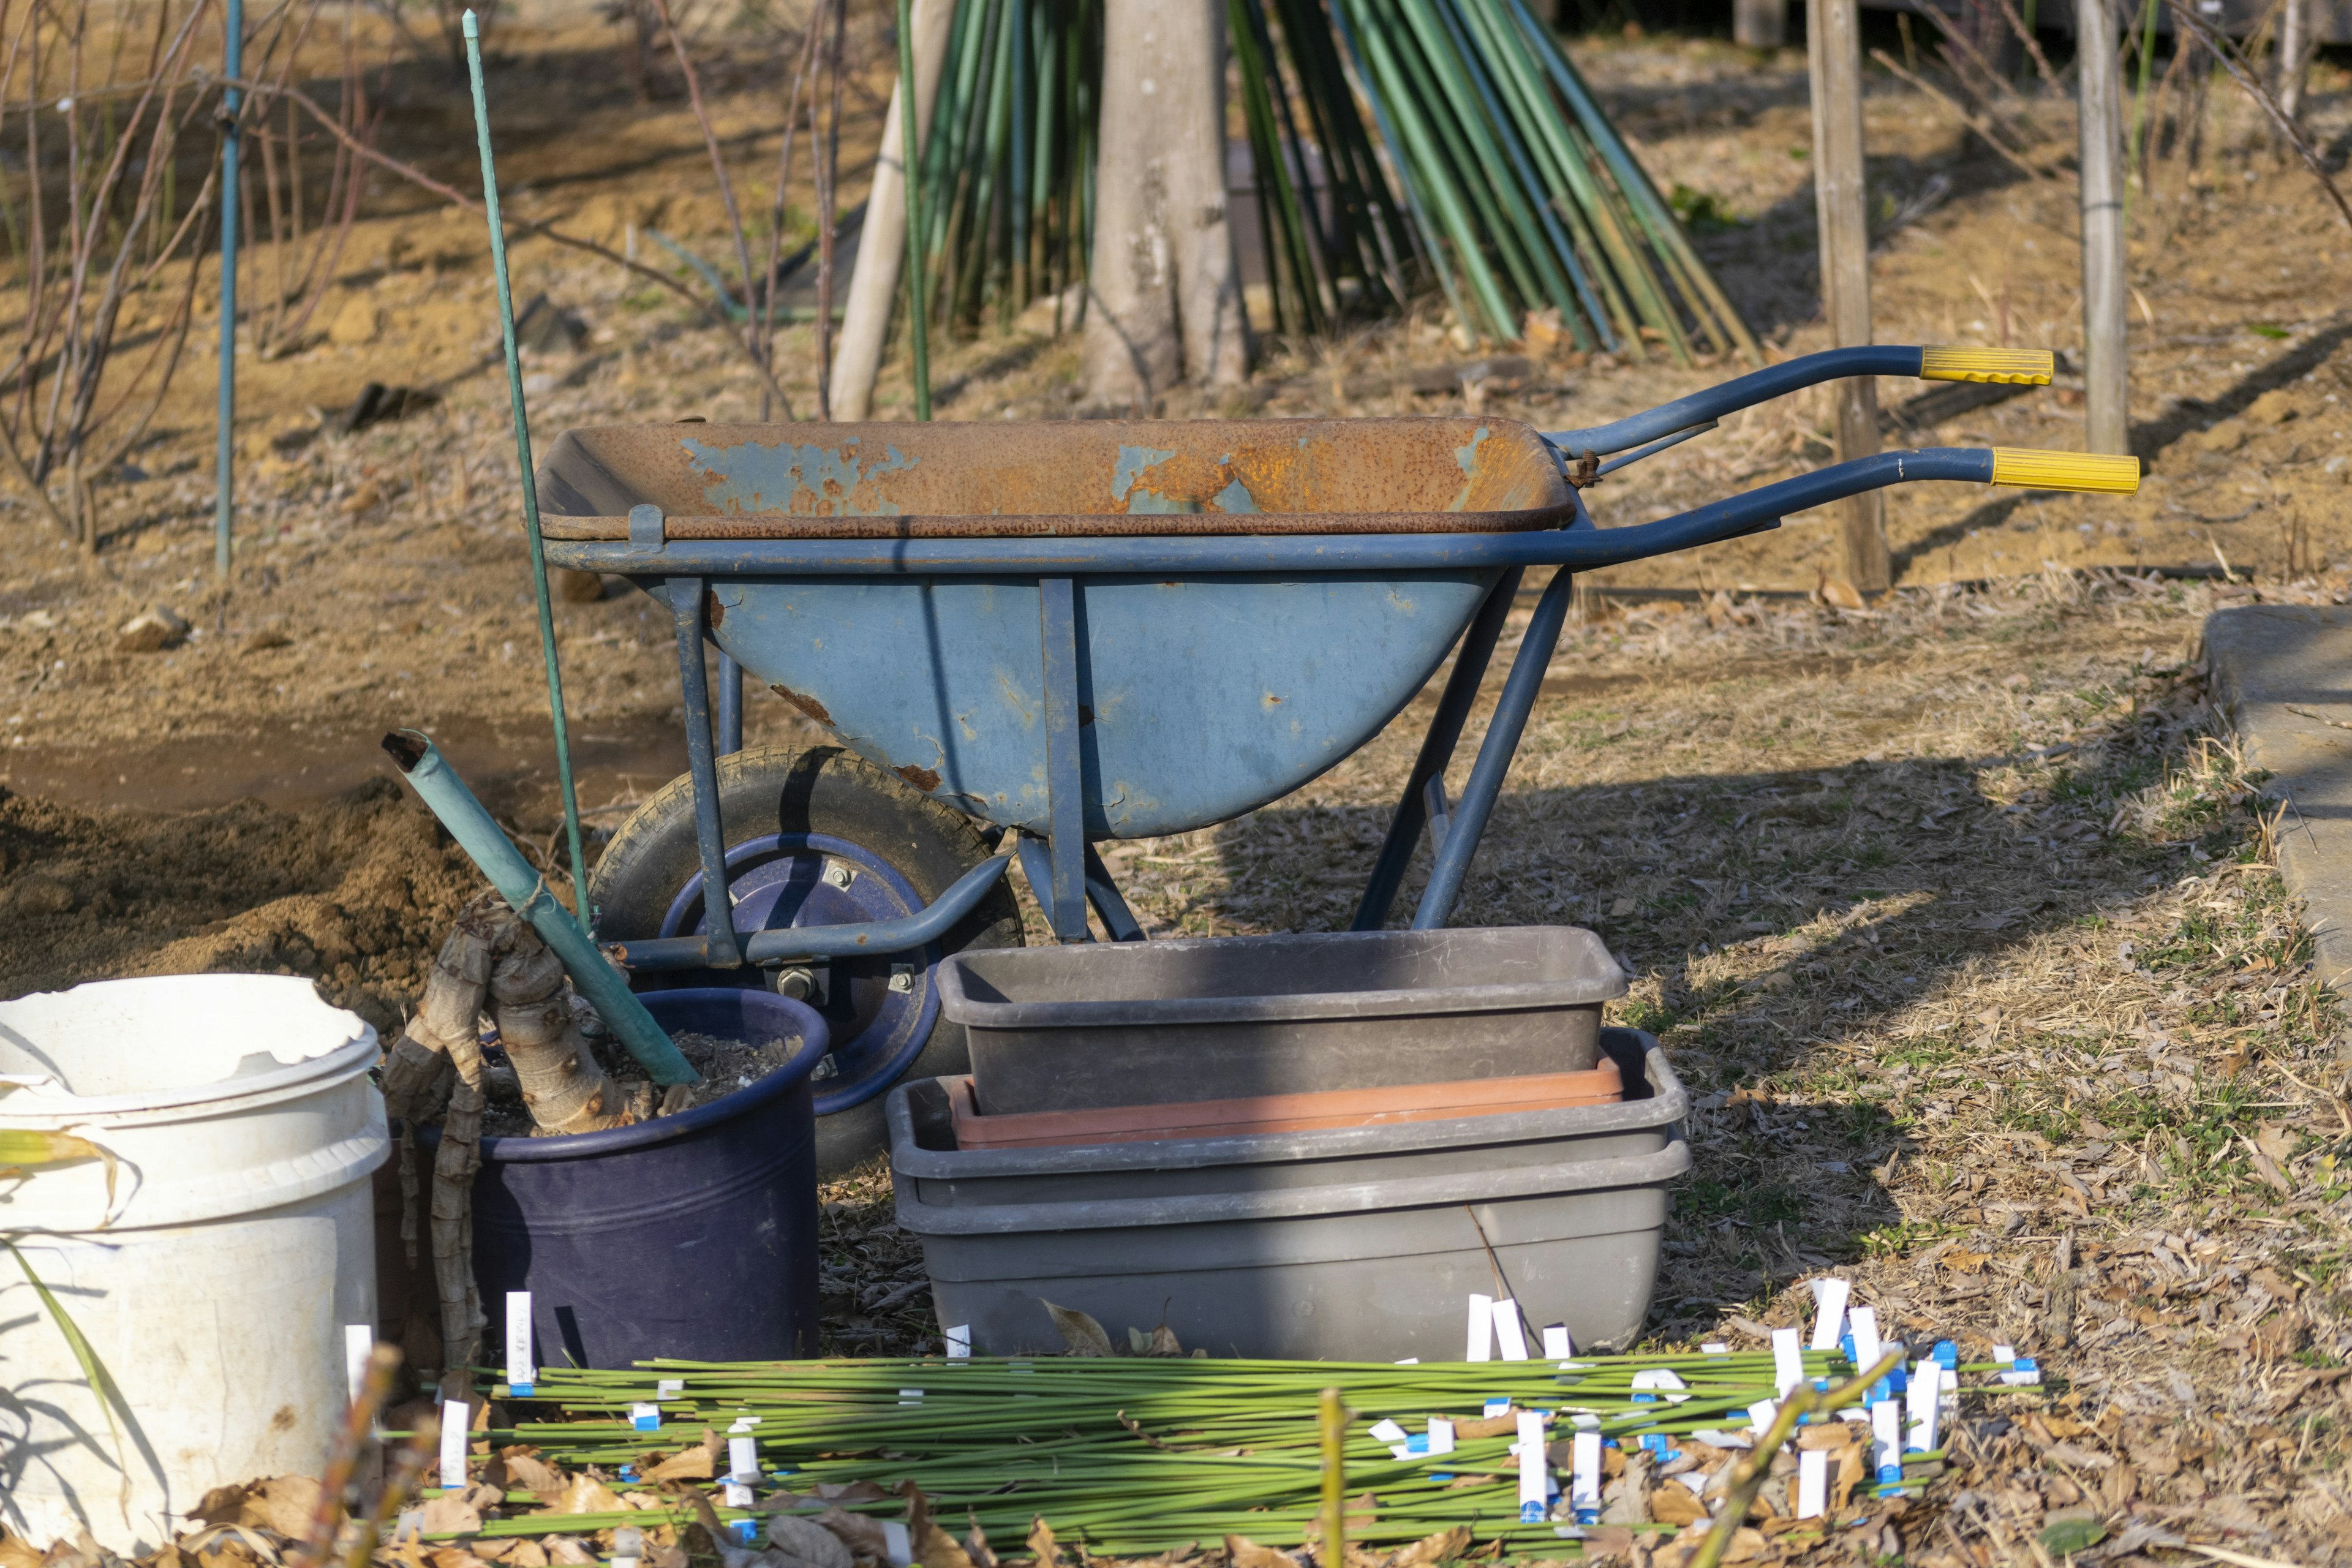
x,y
2017,367
2093,471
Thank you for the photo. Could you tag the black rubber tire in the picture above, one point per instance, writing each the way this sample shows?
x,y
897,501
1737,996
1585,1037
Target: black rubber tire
x,y
822,789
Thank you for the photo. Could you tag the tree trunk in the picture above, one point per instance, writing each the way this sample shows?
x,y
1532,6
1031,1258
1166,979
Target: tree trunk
x,y
1166,301
2105,364
2294,54
1834,46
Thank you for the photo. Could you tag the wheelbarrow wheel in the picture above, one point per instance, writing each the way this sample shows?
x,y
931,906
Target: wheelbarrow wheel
x,y
817,836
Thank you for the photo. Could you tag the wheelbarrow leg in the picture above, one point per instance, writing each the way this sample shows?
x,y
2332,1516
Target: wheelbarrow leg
x,y
1436,751
1109,903
1519,691
1063,892
730,705
702,767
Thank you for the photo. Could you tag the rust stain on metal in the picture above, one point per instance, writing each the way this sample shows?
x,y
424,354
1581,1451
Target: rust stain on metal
x,y
712,610
923,779
1064,478
807,704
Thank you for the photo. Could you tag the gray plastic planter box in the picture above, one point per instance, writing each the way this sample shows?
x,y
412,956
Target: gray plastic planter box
x,y
1353,1244
1095,1025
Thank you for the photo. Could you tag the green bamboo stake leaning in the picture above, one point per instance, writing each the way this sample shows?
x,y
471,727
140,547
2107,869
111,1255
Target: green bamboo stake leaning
x,y
909,146
586,917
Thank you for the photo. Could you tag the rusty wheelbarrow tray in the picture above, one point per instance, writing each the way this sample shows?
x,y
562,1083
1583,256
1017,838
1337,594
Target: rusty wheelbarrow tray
x,y
1092,630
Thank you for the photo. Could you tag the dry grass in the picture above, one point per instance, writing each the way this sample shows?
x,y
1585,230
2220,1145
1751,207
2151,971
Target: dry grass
x,y
1960,921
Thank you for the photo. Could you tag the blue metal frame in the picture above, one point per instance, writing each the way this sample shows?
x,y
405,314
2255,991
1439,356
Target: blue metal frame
x,y
1062,867
1065,896
1740,392
724,950
1425,789
871,939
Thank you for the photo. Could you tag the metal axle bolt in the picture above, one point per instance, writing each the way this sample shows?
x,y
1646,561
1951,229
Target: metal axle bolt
x,y
838,875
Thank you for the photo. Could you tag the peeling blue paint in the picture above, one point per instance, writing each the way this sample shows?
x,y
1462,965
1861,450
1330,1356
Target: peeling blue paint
x,y
1133,463
1468,457
808,481
1235,497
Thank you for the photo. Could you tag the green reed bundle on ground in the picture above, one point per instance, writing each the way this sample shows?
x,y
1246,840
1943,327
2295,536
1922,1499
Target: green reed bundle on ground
x,y
1131,1456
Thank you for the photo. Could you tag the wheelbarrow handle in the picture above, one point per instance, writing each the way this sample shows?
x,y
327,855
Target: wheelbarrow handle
x,y
2025,367
1762,509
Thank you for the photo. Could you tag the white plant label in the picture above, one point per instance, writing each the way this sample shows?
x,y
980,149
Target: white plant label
x,y
1535,1476
1829,1323
521,1370
358,1341
1788,1360
1812,1483
743,1458
1507,1332
1584,1476
1886,1440
1481,1345
453,1442
1864,1324
1926,1383
1557,1345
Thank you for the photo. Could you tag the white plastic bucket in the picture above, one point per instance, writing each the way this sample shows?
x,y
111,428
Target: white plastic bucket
x,y
215,1283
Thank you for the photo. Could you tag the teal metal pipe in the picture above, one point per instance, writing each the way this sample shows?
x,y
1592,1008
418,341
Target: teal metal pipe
x,y
525,890
530,481
224,453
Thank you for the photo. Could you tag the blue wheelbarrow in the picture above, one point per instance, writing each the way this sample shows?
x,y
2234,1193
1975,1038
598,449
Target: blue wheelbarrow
x,y
1029,638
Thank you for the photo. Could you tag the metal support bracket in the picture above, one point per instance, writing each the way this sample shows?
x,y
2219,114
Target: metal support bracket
x,y
1453,707
730,705
1520,689
1433,807
702,767
1109,903
1066,801
1037,864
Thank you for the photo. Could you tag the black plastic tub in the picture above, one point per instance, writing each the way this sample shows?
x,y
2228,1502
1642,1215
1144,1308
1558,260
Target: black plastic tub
x,y
1354,1244
691,1236
1099,1023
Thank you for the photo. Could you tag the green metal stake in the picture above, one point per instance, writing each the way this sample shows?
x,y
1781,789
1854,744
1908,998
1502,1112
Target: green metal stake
x,y
909,147
529,483
225,455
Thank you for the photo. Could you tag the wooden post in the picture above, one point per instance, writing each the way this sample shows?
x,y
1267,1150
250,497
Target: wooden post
x,y
1760,23
2294,54
1833,54
2105,363
882,242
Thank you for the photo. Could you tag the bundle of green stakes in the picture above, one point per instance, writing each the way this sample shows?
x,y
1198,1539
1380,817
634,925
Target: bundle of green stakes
x,y
1129,1455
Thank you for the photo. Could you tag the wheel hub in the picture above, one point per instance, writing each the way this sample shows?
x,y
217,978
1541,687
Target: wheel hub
x,y
880,1009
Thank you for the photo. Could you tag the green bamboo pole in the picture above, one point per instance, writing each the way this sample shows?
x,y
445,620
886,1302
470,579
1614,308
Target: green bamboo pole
x,y
581,910
1436,72
910,145
1022,110
1277,193
1553,258
1445,192
1381,228
1664,228
1570,184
